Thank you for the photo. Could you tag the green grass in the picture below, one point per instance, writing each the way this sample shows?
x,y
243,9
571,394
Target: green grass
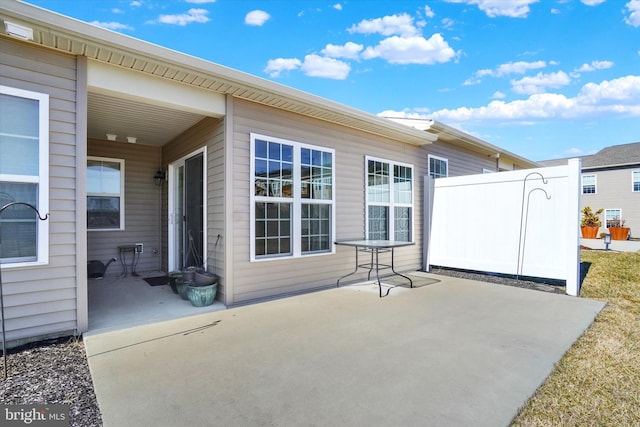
x,y
597,382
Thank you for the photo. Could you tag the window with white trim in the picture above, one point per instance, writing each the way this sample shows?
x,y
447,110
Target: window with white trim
x,y
588,184
389,198
635,181
613,217
438,167
292,200
24,175
105,193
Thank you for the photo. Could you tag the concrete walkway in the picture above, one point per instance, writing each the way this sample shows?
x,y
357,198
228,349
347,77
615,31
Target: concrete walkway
x,y
453,353
616,245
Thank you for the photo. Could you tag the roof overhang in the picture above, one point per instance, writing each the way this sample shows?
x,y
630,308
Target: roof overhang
x,y
68,35
453,136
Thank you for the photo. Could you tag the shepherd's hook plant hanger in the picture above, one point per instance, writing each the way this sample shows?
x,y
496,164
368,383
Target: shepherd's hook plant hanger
x,y
4,340
523,219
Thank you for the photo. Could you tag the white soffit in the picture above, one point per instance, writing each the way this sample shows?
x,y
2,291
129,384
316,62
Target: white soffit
x,y
135,86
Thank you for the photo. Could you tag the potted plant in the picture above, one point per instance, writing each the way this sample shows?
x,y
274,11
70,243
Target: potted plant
x,y
617,229
590,222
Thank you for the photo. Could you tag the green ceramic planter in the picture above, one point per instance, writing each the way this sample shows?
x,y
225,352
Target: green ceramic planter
x,y
173,280
183,288
202,296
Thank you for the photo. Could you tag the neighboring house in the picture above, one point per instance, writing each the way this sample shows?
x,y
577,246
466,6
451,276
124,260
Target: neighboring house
x,y
611,181
258,178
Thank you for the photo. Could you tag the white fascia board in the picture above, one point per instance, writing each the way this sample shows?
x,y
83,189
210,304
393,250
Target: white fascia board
x,y
128,84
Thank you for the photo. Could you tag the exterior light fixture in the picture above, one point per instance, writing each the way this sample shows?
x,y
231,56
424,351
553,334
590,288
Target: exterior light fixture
x,y
111,136
132,139
607,241
159,177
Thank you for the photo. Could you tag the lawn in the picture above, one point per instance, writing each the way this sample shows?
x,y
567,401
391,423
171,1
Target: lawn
x,y
597,382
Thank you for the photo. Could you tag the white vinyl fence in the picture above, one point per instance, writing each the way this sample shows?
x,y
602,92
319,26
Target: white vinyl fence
x,y
523,223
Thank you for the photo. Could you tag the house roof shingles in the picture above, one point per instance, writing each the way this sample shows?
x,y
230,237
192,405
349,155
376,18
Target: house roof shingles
x,y
623,155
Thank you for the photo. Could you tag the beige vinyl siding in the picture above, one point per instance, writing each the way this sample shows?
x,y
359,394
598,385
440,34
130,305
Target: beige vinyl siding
x,y
266,278
614,191
41,301
142,200
461,162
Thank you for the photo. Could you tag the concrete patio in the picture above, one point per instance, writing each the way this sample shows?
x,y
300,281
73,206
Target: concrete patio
x,y
451,353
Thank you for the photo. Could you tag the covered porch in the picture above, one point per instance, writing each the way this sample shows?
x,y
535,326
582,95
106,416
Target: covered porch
x,y
125,302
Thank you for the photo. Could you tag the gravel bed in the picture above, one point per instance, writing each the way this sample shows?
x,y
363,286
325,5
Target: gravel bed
x,y
545,285
52,372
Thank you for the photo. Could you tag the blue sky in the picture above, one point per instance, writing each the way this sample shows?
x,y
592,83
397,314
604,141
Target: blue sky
x,y
541,78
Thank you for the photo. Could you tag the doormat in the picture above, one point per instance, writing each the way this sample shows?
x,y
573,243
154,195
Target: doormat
x,y
156,281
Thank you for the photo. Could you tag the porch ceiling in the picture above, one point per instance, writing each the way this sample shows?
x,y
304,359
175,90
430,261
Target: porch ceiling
x,y
149,124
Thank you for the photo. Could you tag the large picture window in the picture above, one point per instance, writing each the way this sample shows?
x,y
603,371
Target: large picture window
x,y
292,200
389,198
105,193
24,175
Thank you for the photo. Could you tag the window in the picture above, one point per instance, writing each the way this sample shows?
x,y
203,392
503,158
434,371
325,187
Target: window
x,y
588,184
635,181
389,195
24,175
613,217
438,167
292,204
105,193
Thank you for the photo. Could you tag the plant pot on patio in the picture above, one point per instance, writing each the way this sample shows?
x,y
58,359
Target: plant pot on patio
x,y
589,232
173,280
619,233
182,287
202,296
590,222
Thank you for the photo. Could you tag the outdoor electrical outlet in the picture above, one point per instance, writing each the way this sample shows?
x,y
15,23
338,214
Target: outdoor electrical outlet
x,y
139,248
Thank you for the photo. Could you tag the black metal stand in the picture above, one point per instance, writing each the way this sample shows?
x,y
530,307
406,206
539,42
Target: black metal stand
x,y
4,339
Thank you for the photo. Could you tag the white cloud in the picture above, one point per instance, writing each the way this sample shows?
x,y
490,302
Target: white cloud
x,y
401,25
192,15
135,3
116,10
498,95
618,97
573,151
429,12
447,23
349,50
595,65
337,6
634,13
116,26
256,17
519,67
200,1
318,66
276,66
592,2
411,50
540,82
495,8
